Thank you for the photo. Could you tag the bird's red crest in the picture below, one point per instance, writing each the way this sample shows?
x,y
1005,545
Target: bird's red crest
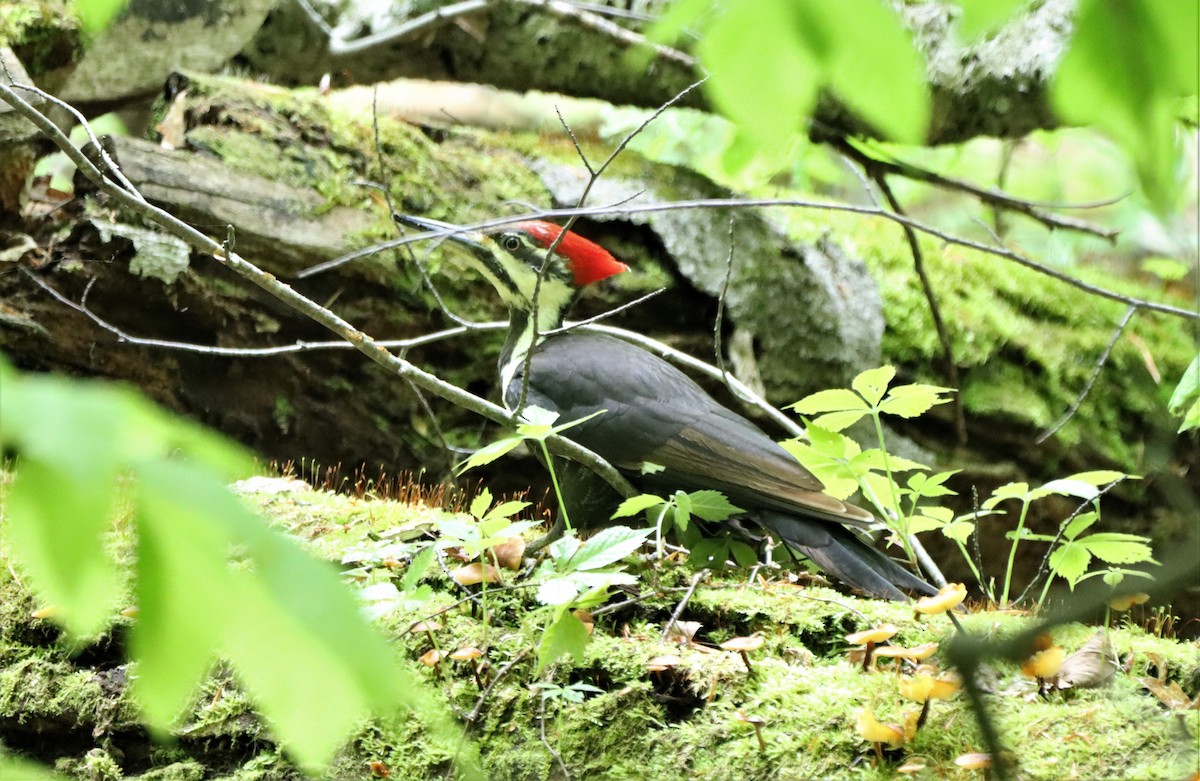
x,y
589,262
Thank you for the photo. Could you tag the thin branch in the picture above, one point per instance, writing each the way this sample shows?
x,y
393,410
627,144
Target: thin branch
x,y
542,731
740,390
719,320
994,197
1043,568
588,17
798,203
687,597
1087,388
949,364
598,23
473,715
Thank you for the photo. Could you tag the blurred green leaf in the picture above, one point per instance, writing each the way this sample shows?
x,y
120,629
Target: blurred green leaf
x,y
870,61
96,15
1128,63
761,75
195,601
1185,400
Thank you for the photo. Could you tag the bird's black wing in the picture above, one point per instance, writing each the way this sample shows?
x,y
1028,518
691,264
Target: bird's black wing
x,y
656,415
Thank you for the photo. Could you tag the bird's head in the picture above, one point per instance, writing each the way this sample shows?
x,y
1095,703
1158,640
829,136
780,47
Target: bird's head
x,y
510,256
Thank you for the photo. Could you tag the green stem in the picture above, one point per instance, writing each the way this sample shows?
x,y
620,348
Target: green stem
x,y
1012,553
562,506
900,523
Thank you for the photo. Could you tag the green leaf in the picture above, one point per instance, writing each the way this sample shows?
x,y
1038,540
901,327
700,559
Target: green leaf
x,y
275,611
760,74
56,522
960,531
417,568
839,421
743,554
683,507
637,504
929,486
873,459
538,416
872,383
1007,491
910,401
712,506
1069,562
480,504
831,472
505,510
1079,524
709,552
96,15
916,524
888,87
566,634
1100,477
1118,548
1186,393
608,546
976,17
1065,487
834,400
1127,64
557,591
489,453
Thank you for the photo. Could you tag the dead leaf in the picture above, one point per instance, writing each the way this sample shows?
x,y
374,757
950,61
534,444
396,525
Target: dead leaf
x,y
1091,666
509,554
473,573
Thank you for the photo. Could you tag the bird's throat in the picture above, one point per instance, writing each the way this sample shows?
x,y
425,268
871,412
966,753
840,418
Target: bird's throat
x,y
522,337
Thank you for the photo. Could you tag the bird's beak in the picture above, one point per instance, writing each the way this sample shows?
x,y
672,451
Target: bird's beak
x,y
443,230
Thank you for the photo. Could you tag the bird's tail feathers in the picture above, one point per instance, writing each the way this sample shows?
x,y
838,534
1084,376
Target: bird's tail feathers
x,y
845,556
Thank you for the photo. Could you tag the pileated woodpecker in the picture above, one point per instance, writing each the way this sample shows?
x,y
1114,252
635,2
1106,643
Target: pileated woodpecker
x,y
653,413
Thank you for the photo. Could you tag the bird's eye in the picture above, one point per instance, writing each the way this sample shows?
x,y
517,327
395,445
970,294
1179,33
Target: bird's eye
x,y
511,243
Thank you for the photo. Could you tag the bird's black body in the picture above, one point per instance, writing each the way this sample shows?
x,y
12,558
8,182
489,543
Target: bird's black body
x,y
656,415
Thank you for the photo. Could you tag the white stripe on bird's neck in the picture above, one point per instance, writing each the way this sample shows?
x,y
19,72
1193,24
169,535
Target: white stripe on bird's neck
x,y
553,302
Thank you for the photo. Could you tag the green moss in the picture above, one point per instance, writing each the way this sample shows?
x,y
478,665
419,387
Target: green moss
x,y
681,722
1026,344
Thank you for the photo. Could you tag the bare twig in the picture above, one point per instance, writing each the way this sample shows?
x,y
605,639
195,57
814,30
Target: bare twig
x,y
996,198
687,597
596,22
798,203
589,16
473,715
719,320
1043,569
542,731
1087,388
949,364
